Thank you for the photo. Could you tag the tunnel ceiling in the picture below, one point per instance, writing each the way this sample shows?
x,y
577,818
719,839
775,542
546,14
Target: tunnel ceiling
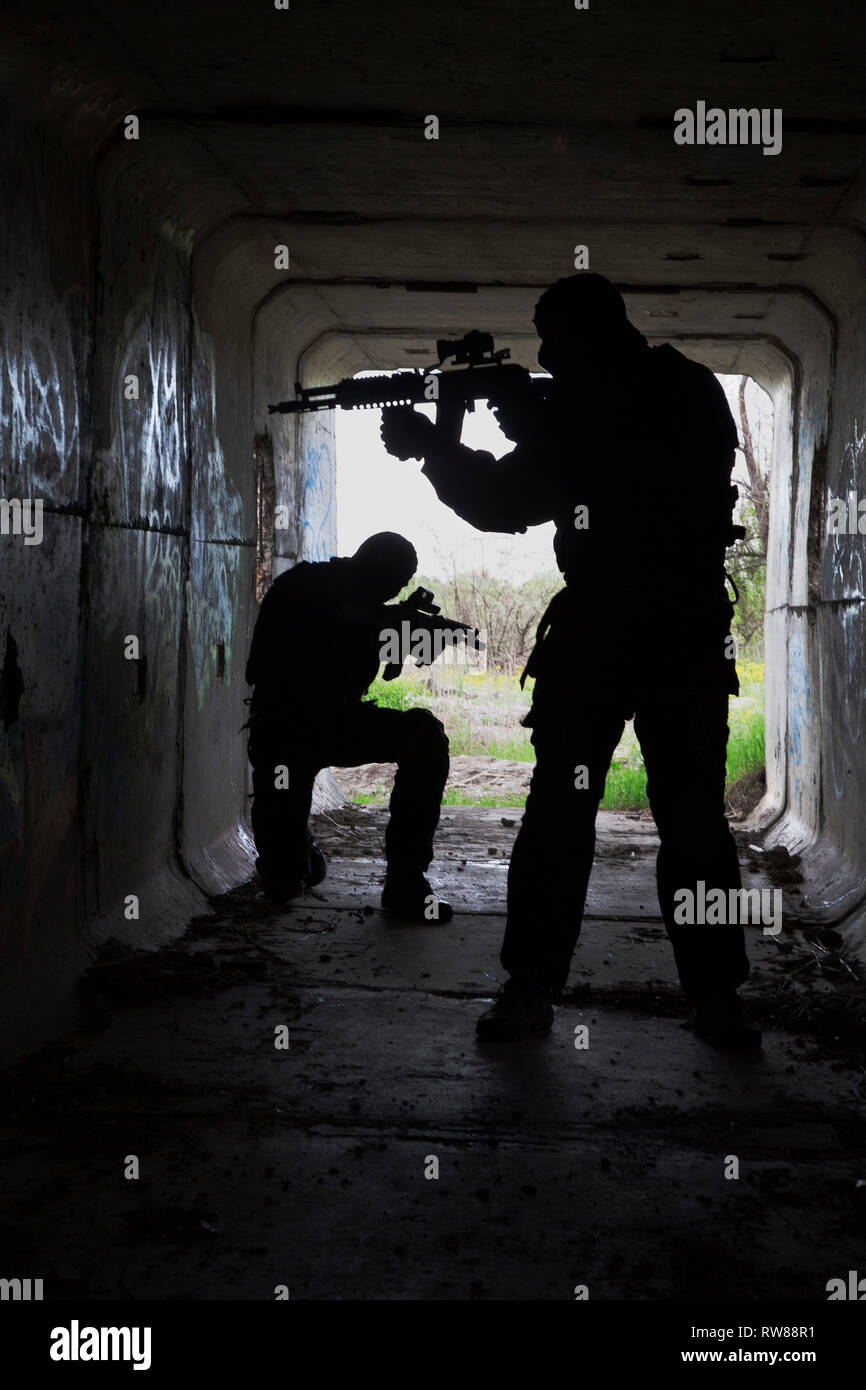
x,y
305,126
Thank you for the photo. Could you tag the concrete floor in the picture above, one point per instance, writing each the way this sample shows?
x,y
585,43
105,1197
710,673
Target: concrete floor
x,y
558,1167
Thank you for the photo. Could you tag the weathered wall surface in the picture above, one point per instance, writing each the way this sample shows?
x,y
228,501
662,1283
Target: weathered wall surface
x,y
135,374
838,637
289,323
126,407
45,343
318,459
782,385
221,583
138,570
797,484
813,635
814,632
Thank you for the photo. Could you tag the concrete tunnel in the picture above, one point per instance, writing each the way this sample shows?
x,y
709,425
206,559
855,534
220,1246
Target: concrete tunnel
x,y
148,251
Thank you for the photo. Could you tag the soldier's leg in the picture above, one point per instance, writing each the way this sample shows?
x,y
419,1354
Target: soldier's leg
x,y
553,853
282,796
684,746
416,741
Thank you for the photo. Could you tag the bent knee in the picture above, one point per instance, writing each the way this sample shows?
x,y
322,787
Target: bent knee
x,y
423,735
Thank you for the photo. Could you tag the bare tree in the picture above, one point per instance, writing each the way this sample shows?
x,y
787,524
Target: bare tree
x,y
509,612
758,487
747,562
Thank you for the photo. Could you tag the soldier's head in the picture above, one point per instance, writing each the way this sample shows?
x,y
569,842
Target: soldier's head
x,y
581,321
383,564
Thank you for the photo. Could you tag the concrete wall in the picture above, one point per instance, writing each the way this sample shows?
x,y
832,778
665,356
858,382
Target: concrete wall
x,y
814,633
814,637
837,637
805,368
127,777
45,346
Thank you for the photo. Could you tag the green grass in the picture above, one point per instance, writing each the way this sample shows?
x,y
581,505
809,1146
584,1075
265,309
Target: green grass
x,y
454,796
625,789
403,693
481,712
482,716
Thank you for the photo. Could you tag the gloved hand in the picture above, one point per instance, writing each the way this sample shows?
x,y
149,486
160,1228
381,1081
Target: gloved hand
x,y
405,433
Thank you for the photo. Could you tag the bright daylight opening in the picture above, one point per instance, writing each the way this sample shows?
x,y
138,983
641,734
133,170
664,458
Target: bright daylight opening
x,y
502,584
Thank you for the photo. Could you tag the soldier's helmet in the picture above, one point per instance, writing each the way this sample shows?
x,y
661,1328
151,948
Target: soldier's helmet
x,y
387,558
583,305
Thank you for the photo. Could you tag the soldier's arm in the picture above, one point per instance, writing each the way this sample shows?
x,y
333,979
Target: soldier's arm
x,y
491,494
507,494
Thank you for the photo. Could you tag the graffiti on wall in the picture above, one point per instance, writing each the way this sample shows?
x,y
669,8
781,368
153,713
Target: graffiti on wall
x,y
40,372
844,669
43,353
149,444
845,559
317,503
217,516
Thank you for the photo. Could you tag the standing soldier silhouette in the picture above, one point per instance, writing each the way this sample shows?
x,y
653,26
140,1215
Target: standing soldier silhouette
x,y
630,453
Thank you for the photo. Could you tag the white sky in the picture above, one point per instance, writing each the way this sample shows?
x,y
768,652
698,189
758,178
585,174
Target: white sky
x,y
376,492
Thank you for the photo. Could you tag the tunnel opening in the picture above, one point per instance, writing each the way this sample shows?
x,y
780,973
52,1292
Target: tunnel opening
x,y
499,583
746,571
508,581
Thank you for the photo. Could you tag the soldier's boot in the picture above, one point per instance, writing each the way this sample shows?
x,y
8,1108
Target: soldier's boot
x,y
410,896
318,866
277,888
522,1006
722,1020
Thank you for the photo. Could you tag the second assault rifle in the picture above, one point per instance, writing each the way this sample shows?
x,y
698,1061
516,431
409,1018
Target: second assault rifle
x,y
422,633
479,373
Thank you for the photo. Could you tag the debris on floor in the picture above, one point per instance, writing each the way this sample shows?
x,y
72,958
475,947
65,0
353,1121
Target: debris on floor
x,y
305,1164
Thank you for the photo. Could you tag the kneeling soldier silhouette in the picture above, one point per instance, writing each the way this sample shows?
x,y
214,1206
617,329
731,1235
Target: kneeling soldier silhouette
x,y
317,646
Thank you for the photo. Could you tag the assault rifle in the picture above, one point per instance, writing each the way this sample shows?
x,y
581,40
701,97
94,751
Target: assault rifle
x,y
420,633
479,372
